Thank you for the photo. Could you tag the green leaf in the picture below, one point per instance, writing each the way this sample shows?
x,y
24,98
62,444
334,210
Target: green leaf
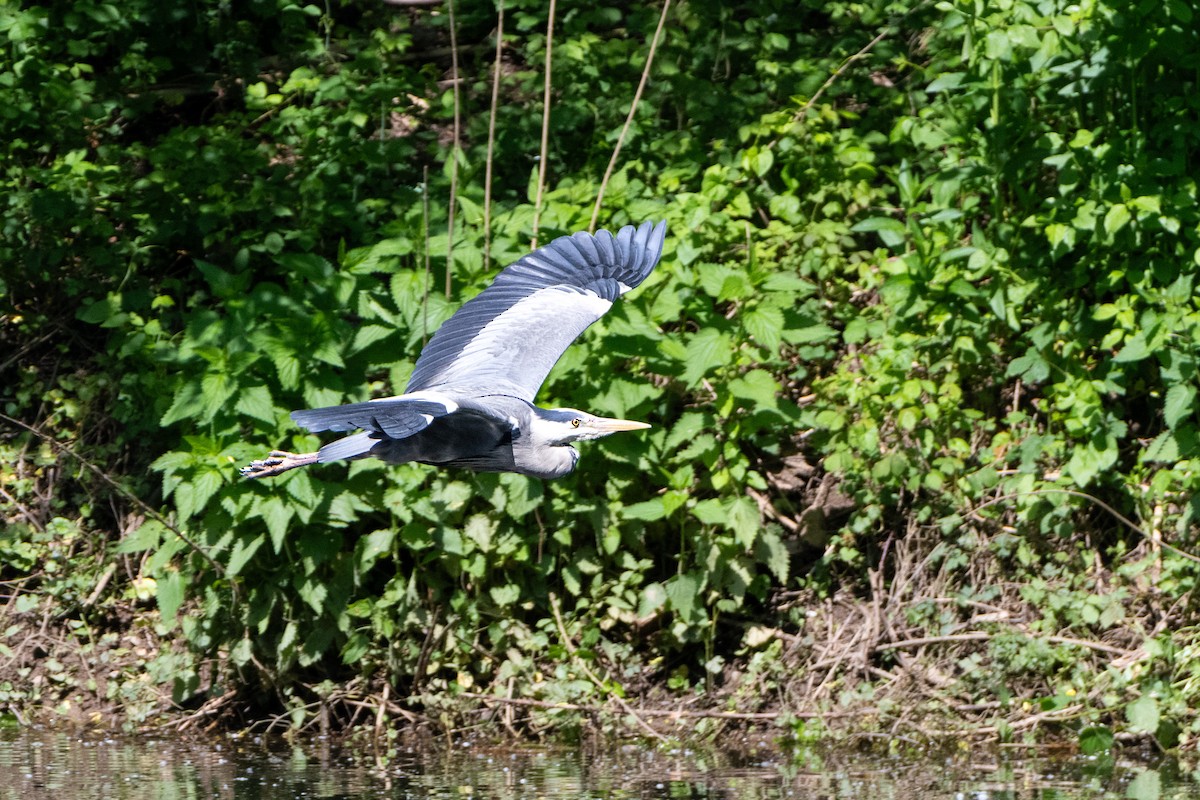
x,y
101,311
1095,740
711,512
1135,349
743,519
242,552
706,350
770,550
647,510
148,536
1087,461
765,326
171,587
374,546
242,652
653,598
1143,714
891,231
480,529
1116,218
256,402
523,494
204,485
216,389
1164,449
945,81
683,593
313,591
1146,785
188,402
757,386
505,595
449,541
276,514
1180,404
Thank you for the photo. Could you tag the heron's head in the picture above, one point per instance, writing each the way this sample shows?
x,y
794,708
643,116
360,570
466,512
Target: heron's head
x,y
559,426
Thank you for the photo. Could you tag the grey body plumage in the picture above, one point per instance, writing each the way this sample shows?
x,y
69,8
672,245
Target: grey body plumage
x,y
469,402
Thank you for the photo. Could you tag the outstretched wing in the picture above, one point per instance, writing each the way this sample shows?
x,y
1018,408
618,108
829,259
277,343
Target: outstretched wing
x,y
395,417
506,338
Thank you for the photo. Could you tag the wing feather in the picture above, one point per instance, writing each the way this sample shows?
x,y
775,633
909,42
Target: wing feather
x,y
506,339
397,417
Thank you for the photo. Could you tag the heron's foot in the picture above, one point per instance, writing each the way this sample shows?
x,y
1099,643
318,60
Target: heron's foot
x,y
278,461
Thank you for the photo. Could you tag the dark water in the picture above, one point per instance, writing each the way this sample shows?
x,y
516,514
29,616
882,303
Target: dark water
x,y
65,766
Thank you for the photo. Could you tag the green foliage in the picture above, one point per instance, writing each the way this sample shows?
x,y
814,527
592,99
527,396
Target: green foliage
x,y
955,270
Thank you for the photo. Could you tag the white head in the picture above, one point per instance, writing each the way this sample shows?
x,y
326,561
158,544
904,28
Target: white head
x,y
560,426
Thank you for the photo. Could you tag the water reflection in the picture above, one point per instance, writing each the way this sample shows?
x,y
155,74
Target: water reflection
x,y
36,765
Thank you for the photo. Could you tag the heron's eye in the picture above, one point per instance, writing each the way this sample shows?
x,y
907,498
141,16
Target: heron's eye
x,y
575,422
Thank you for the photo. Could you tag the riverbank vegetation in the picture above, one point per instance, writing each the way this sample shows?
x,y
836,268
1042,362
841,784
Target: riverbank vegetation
x,y
920,359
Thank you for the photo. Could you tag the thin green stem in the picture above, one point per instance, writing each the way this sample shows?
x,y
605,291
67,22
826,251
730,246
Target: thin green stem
x,y
541,181
491,144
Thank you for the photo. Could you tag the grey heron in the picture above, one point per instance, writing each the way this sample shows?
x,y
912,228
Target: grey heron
x,y
469,402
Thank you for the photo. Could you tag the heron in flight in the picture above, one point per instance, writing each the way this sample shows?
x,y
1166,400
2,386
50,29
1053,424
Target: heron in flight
x,y
469,402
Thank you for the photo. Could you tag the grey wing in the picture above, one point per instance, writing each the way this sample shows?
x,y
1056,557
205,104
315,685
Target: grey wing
x,y
395,417
506,339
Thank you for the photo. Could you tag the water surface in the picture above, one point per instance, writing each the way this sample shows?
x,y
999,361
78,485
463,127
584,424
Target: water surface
x,y
38,764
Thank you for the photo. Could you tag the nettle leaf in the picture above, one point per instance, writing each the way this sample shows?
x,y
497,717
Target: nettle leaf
x,y
765,326
188,402
313,592
373,546
683,593
1143,714
1095,740
647,511
1146,785
256,402
523,494
1135,349
1180,404
743,519
101,311
368,335
192,495
686,428
757,386
171,588
710,512
505,595
276,514
241,554
770,550
1088,461
217,388
1164,449
148,536
1116,218
286,361
706,350
480,528
713,278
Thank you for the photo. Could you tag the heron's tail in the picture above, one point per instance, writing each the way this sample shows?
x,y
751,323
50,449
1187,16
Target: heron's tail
x,y
353,446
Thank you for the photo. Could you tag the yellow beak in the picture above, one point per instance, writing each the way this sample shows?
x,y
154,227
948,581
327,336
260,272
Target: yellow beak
x,y
608,425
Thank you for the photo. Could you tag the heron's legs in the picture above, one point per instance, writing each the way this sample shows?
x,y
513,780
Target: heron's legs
x,y
278,461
